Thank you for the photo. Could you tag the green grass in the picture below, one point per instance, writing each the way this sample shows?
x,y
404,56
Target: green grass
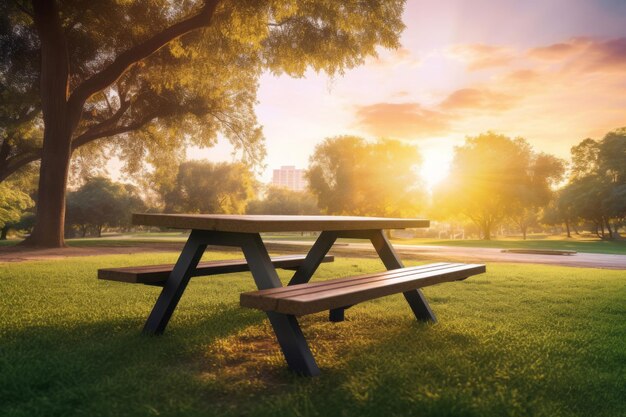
x,y
578,245
522,340
590,245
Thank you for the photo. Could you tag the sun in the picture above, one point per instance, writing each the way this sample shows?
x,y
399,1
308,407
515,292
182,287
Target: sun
x,y
435,166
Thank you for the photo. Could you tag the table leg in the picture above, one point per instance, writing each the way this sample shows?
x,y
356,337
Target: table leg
x,y
176,284
312,261
286,327
314,258
390,258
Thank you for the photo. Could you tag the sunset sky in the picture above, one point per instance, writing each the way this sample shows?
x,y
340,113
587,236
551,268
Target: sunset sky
x,y
552,71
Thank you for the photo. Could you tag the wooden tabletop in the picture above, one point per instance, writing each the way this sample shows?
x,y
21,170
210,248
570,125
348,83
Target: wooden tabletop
x,y
272,223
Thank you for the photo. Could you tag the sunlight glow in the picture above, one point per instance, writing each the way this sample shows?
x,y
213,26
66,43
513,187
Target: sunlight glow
x,y
435,166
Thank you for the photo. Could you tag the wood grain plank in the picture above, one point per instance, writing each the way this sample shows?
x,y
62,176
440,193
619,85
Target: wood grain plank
x,y
342,292
273,223
154,274
267,299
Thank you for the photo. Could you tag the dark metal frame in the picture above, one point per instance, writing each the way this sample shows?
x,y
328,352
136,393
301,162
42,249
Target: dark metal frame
x,y
290,338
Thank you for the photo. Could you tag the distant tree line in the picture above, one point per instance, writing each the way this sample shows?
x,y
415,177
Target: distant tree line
x,y
596,190
495,180
495,183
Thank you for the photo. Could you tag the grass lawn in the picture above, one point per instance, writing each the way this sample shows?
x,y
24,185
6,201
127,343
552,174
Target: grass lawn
x,y
522,340
590,245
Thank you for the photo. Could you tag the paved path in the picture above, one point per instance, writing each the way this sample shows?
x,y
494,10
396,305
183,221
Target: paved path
x,y
449,253
585,260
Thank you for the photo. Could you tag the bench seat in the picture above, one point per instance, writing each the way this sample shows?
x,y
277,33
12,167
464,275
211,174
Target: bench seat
x,y
314,297
158,274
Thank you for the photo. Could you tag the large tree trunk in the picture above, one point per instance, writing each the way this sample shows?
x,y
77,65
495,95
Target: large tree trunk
x,y
4,232
608,228
55,160
62,112
486,231
569,234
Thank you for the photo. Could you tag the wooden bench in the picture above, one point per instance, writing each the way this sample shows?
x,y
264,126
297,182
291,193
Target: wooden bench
x,y
158,274
314,297
338,294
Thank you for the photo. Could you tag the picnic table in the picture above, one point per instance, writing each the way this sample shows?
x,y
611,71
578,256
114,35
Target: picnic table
x,y
284,304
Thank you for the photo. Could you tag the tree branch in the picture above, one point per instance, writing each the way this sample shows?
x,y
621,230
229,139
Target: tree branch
x,y
24,9
108,122
88,137
15,163
135,54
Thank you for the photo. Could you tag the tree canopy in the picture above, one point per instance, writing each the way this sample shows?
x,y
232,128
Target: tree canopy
x,y
155,76
207,187
494,177
596,191
280,200
351,176
101,202
13,203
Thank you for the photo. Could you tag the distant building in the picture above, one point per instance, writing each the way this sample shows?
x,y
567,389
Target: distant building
x,y
289,177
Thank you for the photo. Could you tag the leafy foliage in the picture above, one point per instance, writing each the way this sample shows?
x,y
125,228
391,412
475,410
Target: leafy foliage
x,y
207,187
13,203
596,191
350,176
156,76
494,177
101,202
280,200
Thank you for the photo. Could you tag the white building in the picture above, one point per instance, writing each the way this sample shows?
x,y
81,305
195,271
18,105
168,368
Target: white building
x,y
289,177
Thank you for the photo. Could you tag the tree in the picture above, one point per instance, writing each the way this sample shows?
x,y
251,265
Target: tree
x,y
99,203
597,187
280,200
534,191
16,199
350,176
493,177
207,187
561,210
172,71
13,204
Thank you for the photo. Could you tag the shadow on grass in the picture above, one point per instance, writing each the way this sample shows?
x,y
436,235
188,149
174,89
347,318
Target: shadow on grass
x,y
105,367
518,364
379,362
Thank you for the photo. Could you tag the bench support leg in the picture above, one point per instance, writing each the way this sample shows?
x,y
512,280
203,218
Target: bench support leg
x,y
293,344
290,338
337,315
175,284
390,258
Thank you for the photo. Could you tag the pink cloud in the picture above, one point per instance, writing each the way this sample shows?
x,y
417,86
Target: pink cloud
x,y
481,56
402,120
394,58
586,54
478,99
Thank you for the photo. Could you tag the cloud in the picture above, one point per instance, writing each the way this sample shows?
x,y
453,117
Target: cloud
x,y
395,58
401,120
561,50
522,76
576,81
479,56
477,99
585,54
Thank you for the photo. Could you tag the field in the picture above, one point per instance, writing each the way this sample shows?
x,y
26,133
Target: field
x,y
580,244
520,340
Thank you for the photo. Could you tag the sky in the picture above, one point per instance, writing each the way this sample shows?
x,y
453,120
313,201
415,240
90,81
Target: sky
x,y
551,71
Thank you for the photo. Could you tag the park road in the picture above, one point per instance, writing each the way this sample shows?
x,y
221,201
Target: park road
x,y
582,260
